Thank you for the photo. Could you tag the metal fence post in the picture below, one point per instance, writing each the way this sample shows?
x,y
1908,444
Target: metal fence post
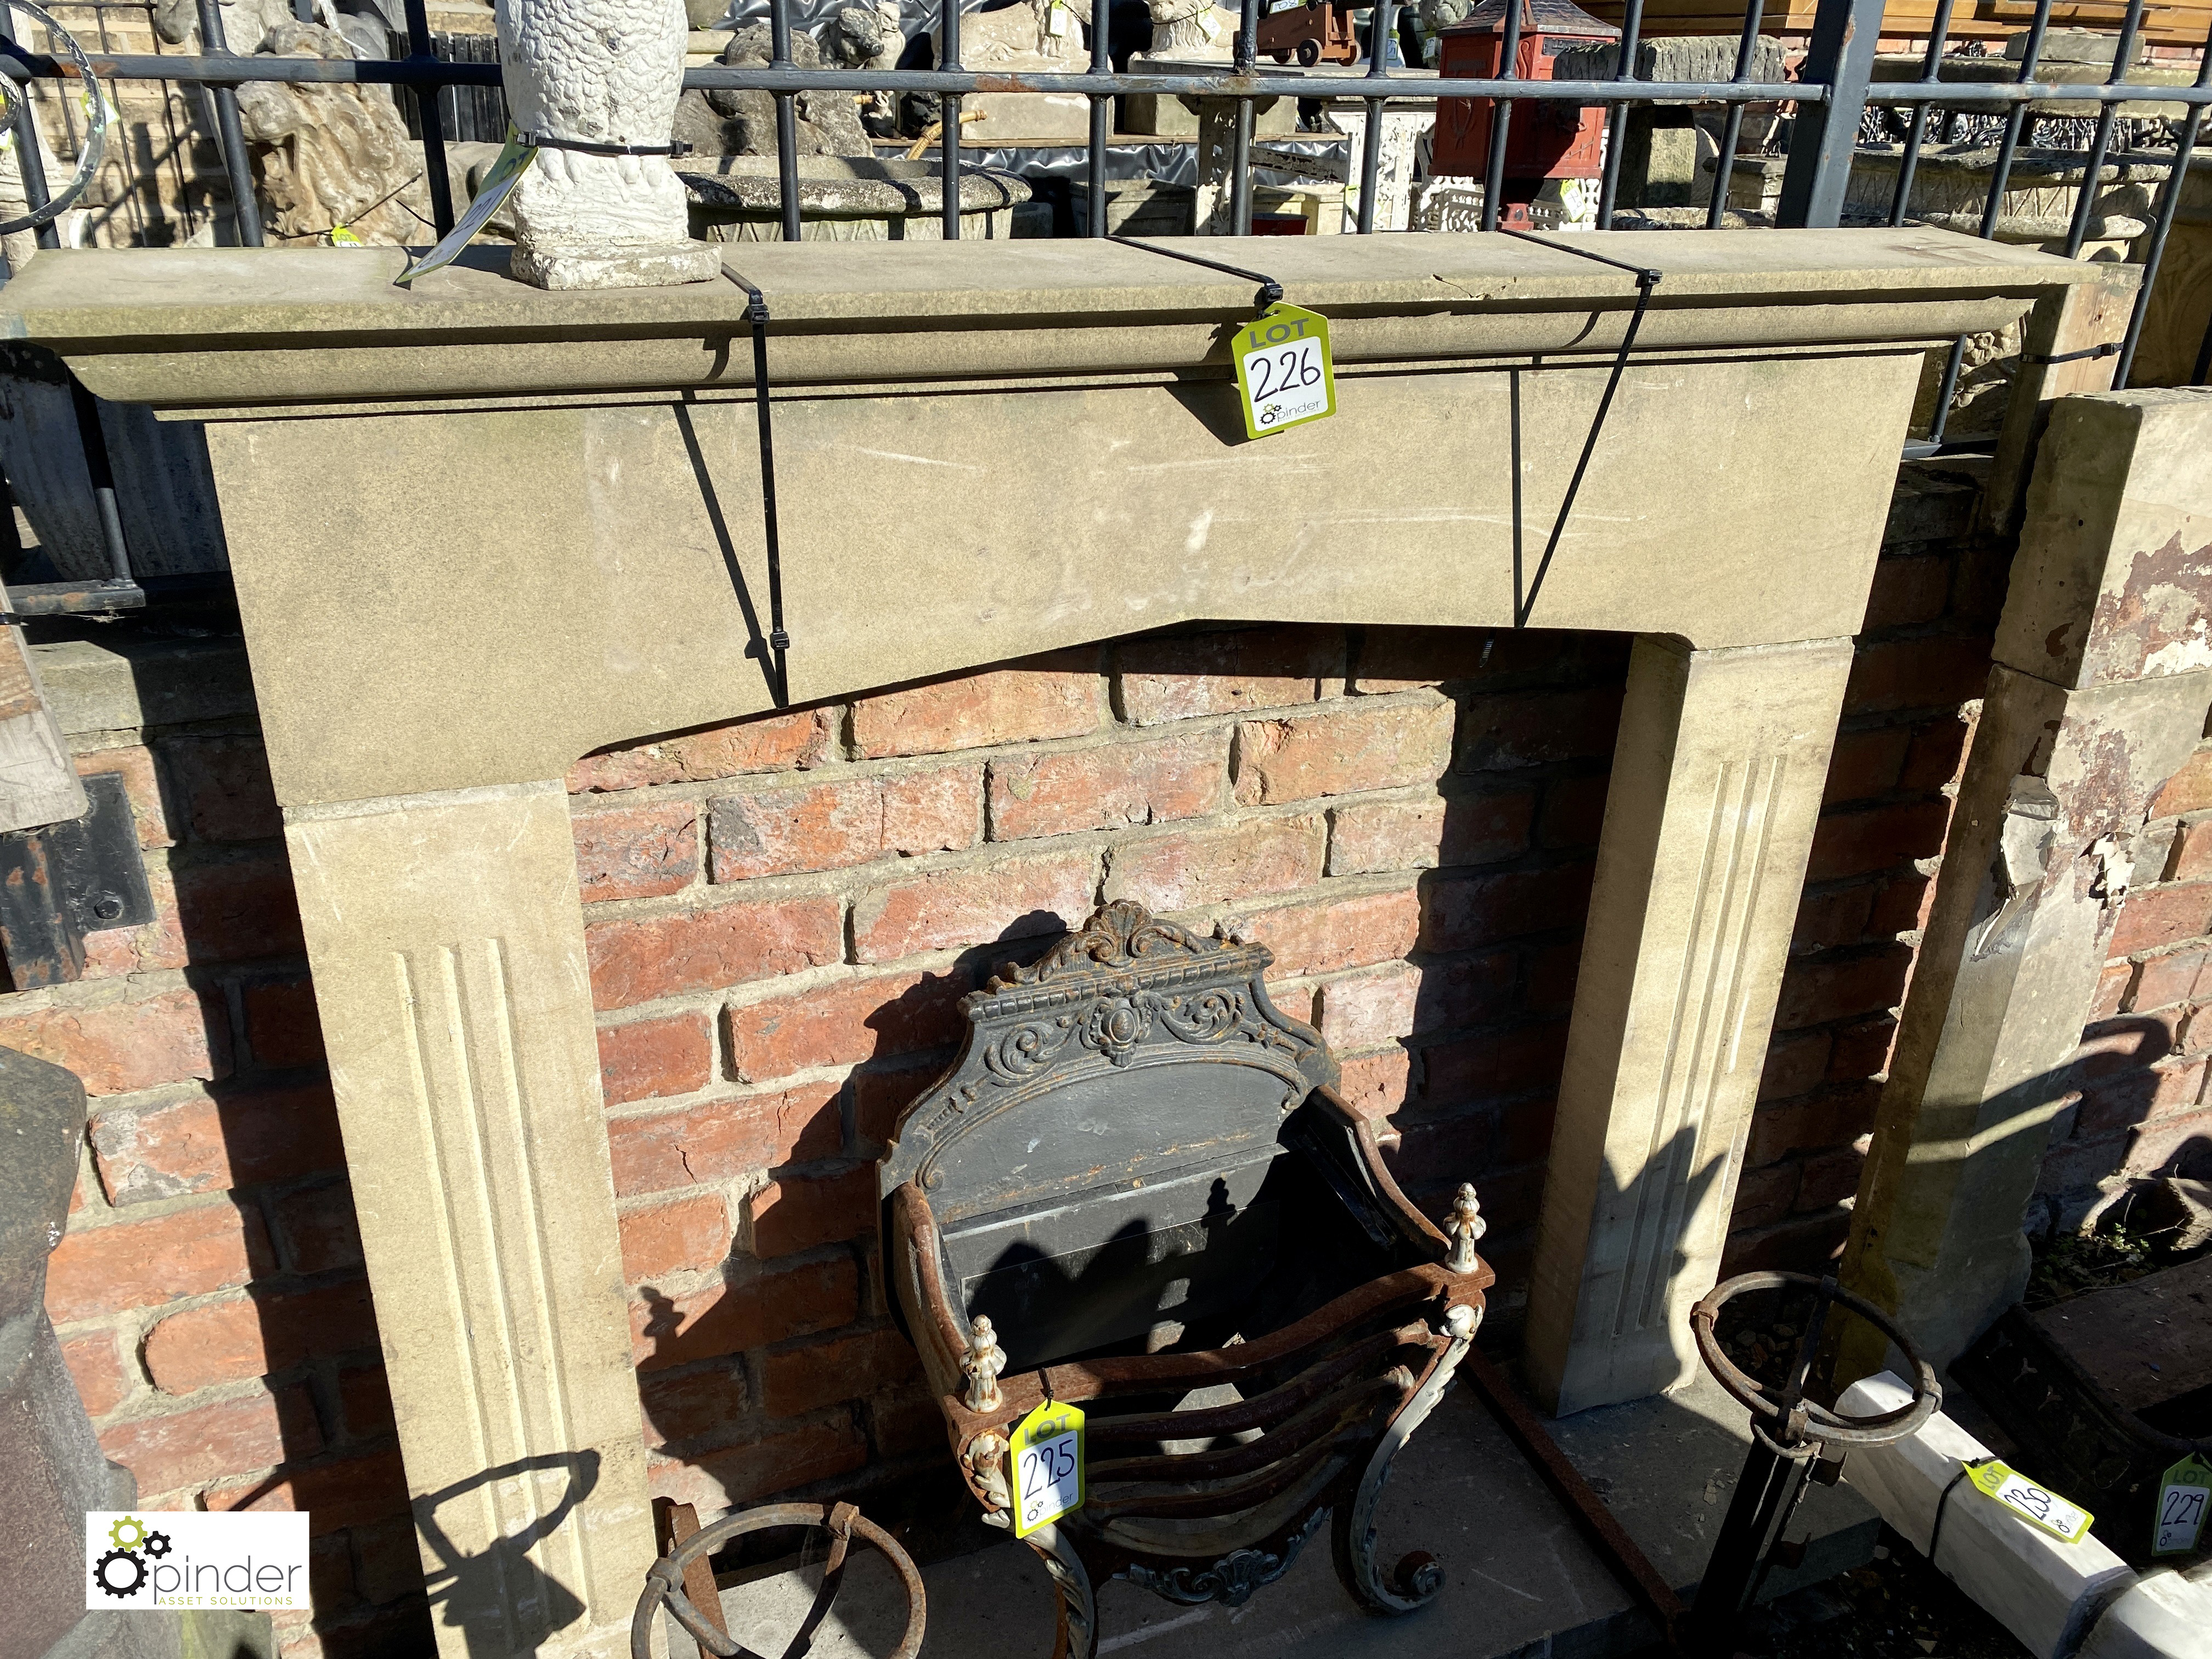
x,y
1824,135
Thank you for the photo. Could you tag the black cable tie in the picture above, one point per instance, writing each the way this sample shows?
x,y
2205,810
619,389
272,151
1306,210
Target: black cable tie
x,y
779,642
1935,1532
1647,279
591,147
2109,349
1271,291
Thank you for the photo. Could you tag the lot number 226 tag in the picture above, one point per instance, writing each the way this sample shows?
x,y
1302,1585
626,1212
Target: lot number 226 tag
x,y
1046,1452
1285,374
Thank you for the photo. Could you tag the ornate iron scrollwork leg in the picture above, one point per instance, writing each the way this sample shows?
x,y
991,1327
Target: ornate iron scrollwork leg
x,y
1419,1577
1078,1608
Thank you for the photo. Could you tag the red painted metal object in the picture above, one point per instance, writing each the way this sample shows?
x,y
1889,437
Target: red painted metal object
x,y
1545,141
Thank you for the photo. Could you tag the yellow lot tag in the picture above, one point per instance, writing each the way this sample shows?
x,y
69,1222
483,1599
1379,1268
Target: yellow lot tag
x,y
2039,1505
1285,374
1047,1461
2183,1493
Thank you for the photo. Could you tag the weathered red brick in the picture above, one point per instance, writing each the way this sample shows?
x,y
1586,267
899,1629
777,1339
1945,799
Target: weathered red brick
x,y
1830,1117
1764,1197
140,1264
352,1492
1862,1049
880,1097
97,1364
229,1137
153,945
240,911
364,1401
1809,1245
2163,981
1466,991
2190,789
1375,1085
1549,988
244,1336
2121,1102
648,1058
795,1381
742,1475
772,743
134,764
716,1139
1323,937
1503,1062
771,1306
1827,920
906,1423
1054,695
1795,1063
1865,765
1537,728
691,1235
2191,858
1418,835
1176,677
1340,753
1052,793
1294,1002
693,1405
1907,591
2154,917
224,785
2112,987
1574,811
389,1563
2155,1146
1363,1010
1444,1149
799,1212
1901,906
316,1228
1829,1177
1938,754
1818,990
841,1023
842,820
222,1439
635,961
1485,910
1250,860
1939,671
178,1036
282,1028
1018,898
1857,843
636,852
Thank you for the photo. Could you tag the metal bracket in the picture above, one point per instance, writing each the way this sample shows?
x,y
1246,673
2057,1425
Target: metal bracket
x,y
59,883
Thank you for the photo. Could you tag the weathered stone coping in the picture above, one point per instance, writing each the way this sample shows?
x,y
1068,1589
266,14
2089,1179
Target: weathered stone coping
x,y
199,329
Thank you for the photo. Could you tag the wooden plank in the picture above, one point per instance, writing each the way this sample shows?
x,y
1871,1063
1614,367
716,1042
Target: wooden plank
x,y
2143,1343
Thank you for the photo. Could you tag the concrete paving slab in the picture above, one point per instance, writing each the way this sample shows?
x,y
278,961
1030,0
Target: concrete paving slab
x,y
1519,1579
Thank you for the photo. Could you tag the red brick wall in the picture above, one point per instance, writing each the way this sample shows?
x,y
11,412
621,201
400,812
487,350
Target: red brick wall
x,y
782,914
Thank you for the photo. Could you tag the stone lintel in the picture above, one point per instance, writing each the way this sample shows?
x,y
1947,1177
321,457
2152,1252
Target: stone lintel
x,y
1717,783
447,943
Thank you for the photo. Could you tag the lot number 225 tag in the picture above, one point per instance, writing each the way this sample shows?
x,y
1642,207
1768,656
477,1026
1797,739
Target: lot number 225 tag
x,y
1046,1452
1285,374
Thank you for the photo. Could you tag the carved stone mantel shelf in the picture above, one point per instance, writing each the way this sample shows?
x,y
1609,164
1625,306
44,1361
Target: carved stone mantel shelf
x,y
479,530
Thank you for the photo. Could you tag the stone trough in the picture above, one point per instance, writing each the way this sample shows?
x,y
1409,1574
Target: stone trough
x,y
739,198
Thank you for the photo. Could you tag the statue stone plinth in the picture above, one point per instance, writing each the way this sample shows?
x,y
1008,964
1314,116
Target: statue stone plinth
x,y
606,72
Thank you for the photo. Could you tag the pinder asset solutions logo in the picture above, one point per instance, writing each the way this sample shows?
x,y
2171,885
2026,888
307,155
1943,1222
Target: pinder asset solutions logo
x,y
165,1561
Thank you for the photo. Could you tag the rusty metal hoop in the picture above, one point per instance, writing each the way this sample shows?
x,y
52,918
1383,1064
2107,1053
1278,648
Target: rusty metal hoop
x,y
664,1585
1811,1421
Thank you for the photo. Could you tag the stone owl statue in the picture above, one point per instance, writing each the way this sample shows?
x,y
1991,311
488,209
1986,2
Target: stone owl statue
x,y
605,71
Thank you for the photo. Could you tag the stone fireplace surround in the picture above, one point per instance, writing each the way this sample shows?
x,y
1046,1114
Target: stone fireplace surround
x,y
478,531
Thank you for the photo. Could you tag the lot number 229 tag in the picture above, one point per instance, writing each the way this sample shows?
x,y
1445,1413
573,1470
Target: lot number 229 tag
x,y
1046,1452
2183,1496
1285,374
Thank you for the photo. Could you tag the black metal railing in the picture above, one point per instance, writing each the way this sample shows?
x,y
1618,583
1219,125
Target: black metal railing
x,y
1832,94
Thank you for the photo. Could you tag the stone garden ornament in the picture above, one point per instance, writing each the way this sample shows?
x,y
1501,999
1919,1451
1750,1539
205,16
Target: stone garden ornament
x,y
593,85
